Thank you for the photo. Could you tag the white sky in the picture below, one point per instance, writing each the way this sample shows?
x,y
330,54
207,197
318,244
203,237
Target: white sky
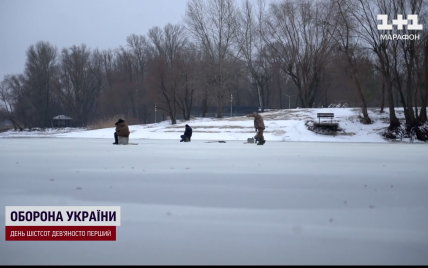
x,y
97,23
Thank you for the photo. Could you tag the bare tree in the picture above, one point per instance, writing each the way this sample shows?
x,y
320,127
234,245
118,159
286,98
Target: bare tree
x,y
188,63
298,34
252,47
348,43
165,47
202,95
423,82
127,81
80,80
139,46
116,92
19,106
108,58
7,105
406,68
213,25
39,71
365,13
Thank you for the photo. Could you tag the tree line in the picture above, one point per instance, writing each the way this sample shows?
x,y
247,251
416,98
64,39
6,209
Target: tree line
x,y
252,52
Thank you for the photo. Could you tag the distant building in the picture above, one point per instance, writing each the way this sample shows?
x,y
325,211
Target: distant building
x,y
62,121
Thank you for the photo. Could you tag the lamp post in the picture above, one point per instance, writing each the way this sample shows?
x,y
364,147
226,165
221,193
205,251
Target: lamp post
x,y
231,98
289,97
155,112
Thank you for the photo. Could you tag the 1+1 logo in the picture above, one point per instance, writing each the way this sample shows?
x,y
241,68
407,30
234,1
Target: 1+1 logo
x,y
399,22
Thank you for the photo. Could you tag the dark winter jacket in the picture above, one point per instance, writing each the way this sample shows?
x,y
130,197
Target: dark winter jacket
x,y
258,120
188,131
122,129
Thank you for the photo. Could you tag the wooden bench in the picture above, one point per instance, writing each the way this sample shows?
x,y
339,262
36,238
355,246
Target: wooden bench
x,y
325,124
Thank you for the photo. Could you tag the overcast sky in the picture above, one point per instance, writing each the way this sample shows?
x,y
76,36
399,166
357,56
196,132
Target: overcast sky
x,y
97,23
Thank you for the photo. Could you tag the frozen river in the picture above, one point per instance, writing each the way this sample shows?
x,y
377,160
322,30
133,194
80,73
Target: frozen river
x,y
213,203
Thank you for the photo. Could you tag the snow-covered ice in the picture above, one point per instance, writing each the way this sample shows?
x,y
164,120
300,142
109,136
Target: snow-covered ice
x,y
208,203
281,125
302,198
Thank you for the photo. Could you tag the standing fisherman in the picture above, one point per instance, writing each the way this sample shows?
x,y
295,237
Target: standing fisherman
x,y
259,125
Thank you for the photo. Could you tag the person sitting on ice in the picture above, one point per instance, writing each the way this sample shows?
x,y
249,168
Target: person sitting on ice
x,y
187,134
122,130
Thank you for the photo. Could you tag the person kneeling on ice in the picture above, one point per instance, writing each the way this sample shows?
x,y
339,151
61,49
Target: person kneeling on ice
x,y
259,125
122,130
187,134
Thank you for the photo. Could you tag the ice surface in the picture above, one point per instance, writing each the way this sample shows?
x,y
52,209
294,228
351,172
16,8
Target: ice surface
x,y
301,203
